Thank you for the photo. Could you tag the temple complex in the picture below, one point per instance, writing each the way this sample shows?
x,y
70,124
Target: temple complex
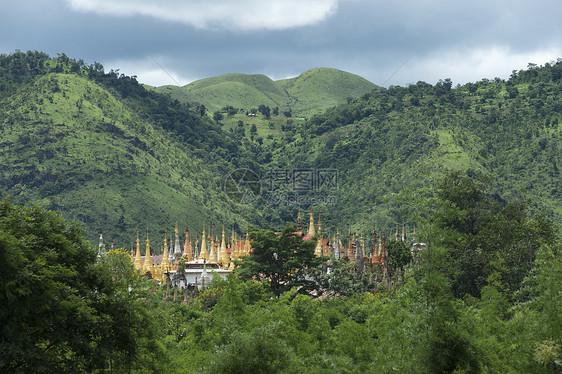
x,y
202,258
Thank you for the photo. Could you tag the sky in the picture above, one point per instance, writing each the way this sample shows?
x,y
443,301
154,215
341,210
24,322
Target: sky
x,y
393,42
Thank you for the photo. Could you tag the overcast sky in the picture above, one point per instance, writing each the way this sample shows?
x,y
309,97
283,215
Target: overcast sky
x,y
387,42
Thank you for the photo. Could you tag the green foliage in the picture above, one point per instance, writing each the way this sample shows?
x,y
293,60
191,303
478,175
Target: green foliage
x,y
102,150
399,255
343,279
403,138
60,311
310,92
98,146
105,316
486,239
282,260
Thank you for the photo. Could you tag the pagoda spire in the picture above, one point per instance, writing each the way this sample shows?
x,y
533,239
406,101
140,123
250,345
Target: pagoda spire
x,y
187,246
247,248
224,259
311,230
171,250
318,248
203,254
362,242
147,266
337,248
101,246
383,251
177,246
233,253
350,252
375,256
234,250
217,249
212,254
165,264
138,260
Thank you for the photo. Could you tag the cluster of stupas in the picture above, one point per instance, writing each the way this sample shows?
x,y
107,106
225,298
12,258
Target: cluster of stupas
x,y
208,251
205,250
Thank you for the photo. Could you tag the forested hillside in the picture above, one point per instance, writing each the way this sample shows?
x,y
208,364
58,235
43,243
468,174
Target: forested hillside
x,y
389,145
98,147
313,91
101,149
475,167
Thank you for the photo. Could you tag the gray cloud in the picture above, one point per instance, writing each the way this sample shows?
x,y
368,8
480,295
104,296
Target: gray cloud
x,y
238,15
465,41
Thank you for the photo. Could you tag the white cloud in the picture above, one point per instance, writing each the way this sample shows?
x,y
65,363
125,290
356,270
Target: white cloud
x,y
230,14
471,65
151,71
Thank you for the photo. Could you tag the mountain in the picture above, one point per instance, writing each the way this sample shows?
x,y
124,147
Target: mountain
x,y
389,146
310,92
101,149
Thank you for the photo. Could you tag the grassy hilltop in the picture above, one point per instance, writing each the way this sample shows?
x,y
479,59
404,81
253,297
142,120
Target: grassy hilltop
x,y
309,93
100,148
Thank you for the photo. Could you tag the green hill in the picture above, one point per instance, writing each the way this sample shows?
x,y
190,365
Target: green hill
x,y
104,151
310,92
389,146
322,88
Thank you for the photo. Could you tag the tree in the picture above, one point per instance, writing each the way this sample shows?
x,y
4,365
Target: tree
x,y
446,346
486,237
284,260
217,116
399,254
344,280
443,87
265,110
60,311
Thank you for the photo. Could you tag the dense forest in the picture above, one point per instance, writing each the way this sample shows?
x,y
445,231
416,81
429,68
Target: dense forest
x,y
101,149
476,169
483,297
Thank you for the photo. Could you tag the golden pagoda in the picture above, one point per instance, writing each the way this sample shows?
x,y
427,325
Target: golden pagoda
x,y
311,230
224,258
165,264
350,252
187,246
247,248
203,254
212,251
147,266
318,249
138,260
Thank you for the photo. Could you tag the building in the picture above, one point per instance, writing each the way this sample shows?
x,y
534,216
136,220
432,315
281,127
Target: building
x,y
202,259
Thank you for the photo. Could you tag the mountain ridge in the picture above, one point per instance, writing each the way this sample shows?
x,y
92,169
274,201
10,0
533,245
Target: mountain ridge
x,y
102,149
310,92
